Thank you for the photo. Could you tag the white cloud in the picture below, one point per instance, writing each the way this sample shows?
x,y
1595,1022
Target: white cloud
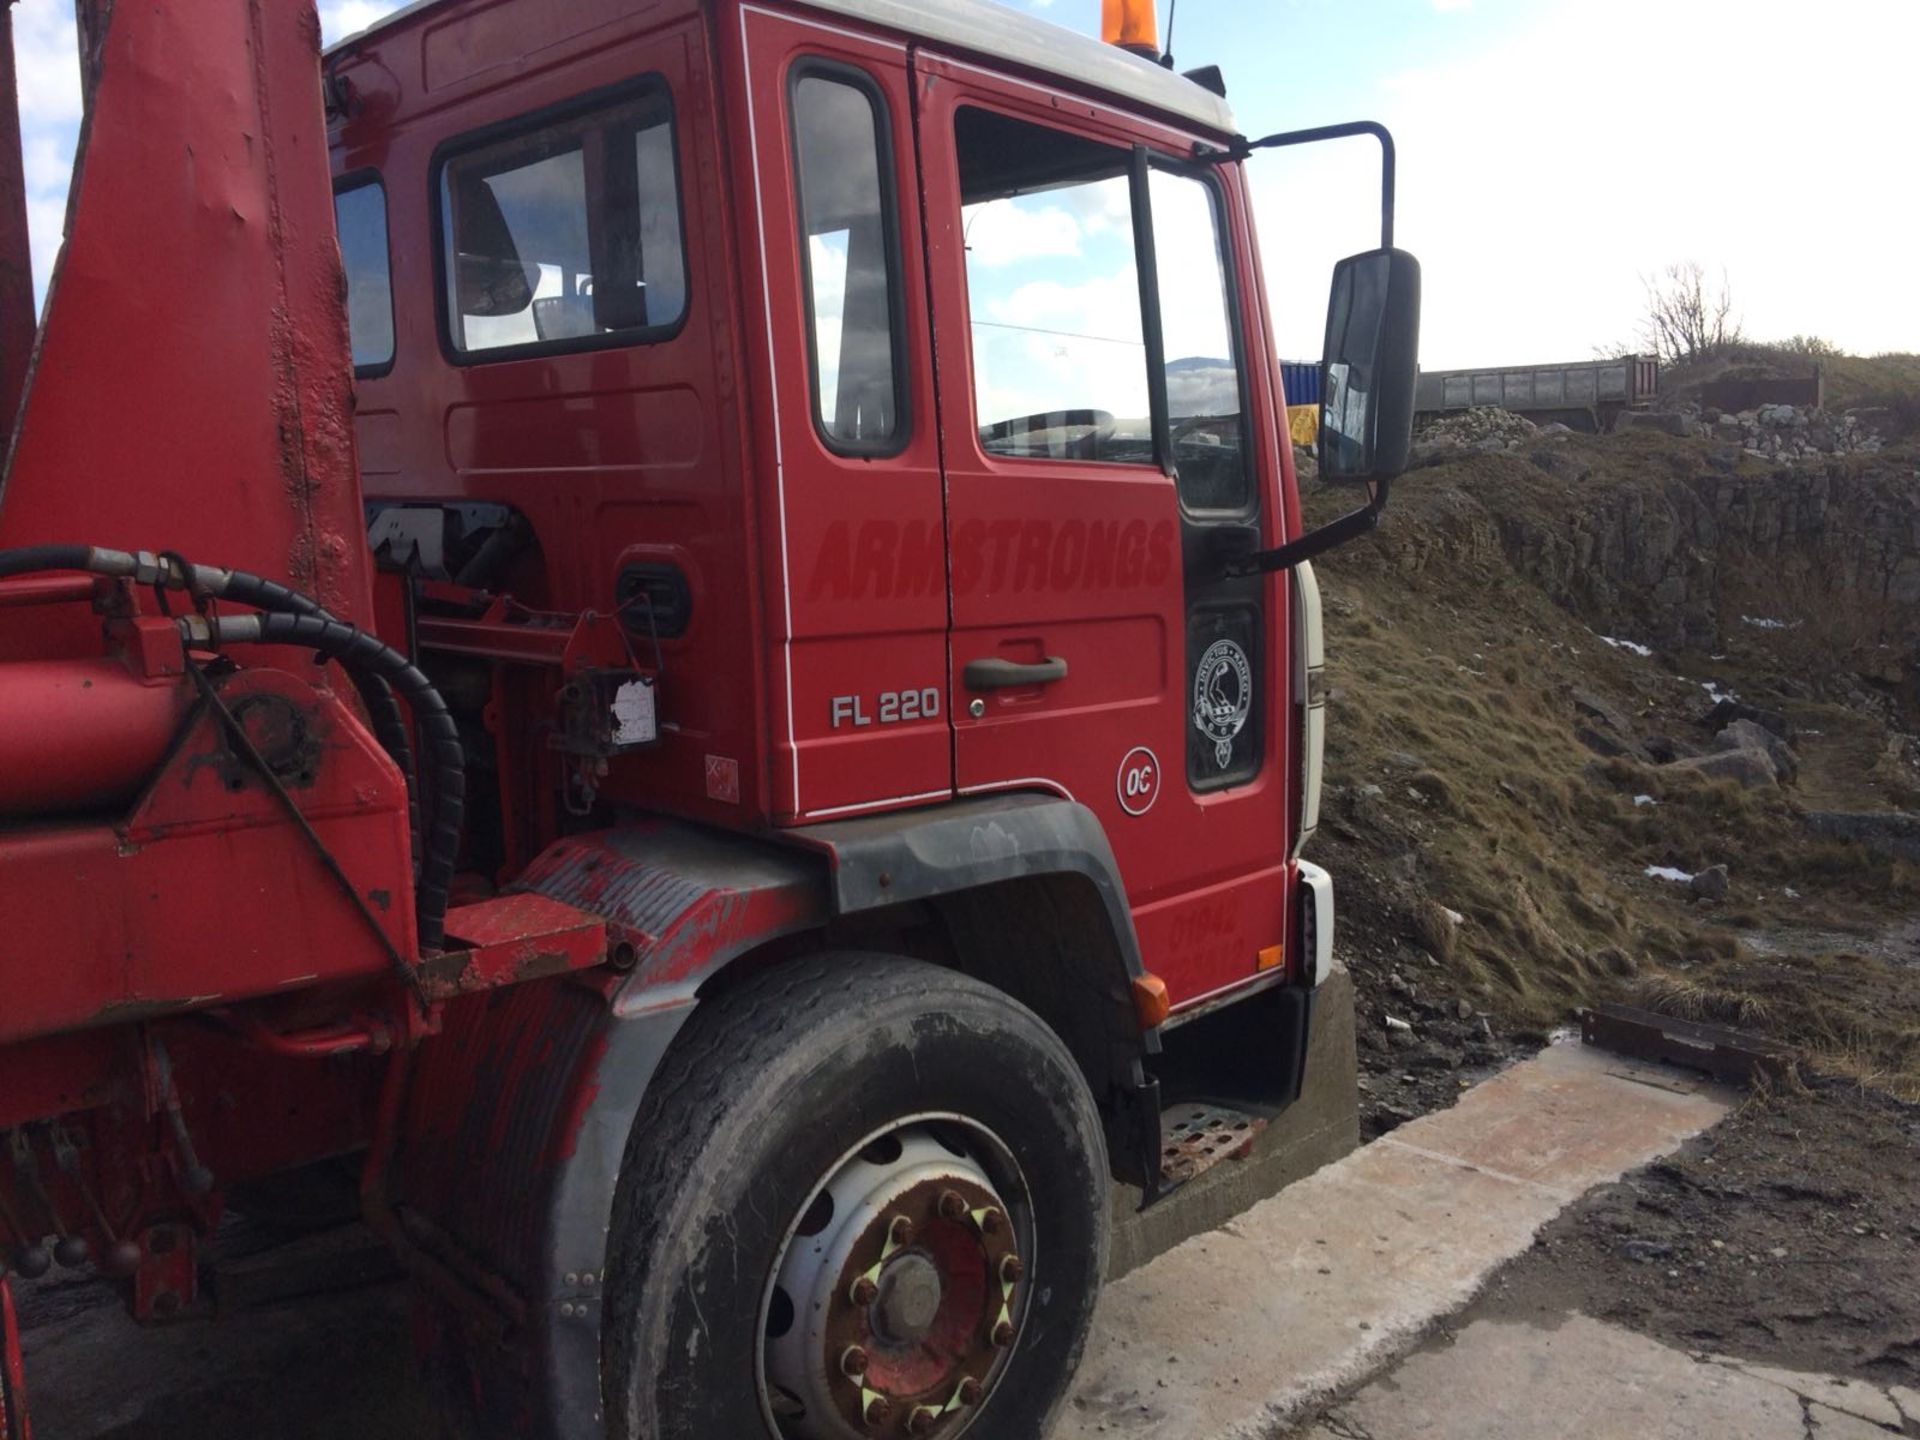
x,y
1541,177
341,18
1006,232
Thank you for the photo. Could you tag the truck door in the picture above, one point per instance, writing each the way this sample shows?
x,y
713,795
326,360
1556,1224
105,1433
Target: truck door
x,y
851,492
1095,472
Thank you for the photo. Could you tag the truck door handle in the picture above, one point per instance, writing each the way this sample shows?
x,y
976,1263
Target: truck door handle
x,y
997,674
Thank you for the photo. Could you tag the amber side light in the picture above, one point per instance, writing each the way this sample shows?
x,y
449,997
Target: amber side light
x,y
1150,1003
1132,25
1269,956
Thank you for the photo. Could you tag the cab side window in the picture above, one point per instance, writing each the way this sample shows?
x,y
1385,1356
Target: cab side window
x,y
850,257
1053,293
565,233
360,217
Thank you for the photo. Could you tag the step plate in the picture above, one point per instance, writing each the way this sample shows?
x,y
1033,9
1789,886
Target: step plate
x,y
1195,1136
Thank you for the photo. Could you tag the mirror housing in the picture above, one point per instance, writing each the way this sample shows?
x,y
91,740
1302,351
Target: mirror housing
x,y
1369,366
1367,378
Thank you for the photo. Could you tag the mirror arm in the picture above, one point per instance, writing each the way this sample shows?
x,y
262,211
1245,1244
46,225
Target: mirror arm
x,y
1333,534
1241,148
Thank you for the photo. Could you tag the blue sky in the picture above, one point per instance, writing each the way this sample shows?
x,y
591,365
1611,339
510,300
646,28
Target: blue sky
x,y
1552,152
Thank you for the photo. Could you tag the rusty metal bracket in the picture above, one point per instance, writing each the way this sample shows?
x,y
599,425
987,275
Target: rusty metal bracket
x,y
1732,1055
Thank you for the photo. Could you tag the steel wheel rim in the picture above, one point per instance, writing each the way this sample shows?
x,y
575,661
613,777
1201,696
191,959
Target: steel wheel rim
x,y
911,1168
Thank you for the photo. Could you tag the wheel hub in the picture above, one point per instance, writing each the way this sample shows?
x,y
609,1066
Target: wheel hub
x,y
898,1298
910,1293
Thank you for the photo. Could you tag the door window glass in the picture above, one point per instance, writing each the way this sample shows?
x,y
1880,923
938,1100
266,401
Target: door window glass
x,y
1203,371
567,234
851,259
360,216
1053,293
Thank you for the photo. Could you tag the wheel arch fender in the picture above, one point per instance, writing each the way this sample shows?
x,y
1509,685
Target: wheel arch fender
x,y
538,1087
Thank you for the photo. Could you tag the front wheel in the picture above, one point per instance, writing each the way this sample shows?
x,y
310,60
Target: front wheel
x,y
865,1197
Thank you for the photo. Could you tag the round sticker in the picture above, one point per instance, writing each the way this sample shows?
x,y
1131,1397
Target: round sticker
x,y
1138,782
1222,697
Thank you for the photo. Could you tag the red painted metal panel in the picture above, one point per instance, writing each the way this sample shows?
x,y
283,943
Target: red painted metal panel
x,y
192,389
511,939
205,891
853,550
614,456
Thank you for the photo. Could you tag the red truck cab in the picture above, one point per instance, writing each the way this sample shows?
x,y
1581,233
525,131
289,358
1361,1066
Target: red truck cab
x,y
810,758
820,329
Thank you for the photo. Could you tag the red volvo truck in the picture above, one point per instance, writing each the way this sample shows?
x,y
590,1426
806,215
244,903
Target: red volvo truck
x,y
730,730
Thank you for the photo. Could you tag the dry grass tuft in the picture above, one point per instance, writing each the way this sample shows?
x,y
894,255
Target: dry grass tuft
x,y
1688,999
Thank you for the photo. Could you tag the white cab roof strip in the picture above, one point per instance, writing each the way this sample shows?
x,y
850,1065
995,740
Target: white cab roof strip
x,y
983,27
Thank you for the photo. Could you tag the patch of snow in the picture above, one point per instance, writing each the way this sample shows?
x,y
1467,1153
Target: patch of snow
x,y
1645,652
1645,800
1715,693
1667,872
1791,893
1767,622
1453,916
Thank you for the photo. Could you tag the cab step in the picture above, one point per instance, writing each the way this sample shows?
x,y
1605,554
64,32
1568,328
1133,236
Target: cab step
x,y
1196,1135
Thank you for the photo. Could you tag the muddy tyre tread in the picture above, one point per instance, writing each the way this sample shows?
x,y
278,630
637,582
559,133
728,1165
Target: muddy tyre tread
x,y
715,1062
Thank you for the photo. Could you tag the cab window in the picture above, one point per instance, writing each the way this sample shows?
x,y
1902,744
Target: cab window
x,y
850,256
565,233
1053,293
360,217
1199,339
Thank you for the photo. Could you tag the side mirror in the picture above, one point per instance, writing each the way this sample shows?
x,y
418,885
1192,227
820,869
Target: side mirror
x,y
1369,366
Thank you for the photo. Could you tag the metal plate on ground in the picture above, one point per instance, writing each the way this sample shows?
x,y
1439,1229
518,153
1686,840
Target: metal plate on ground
x,y
1732,1055
1196,1135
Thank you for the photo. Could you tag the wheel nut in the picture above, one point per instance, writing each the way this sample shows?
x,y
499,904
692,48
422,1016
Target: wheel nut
x,y
1011,1269
879,1410
953,1205
1003,1334
901,1230
923,1419
853,1362
992,1222
970,1391
32,1261
864,1291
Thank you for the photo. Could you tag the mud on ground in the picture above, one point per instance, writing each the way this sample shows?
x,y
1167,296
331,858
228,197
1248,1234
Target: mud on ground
x,y
1789,1235
1513,660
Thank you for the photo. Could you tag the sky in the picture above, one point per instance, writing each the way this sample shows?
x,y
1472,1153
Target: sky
x,y
1552,153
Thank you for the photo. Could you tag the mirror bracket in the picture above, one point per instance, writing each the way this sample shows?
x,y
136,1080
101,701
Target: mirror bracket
x,y
1241,147
1333,534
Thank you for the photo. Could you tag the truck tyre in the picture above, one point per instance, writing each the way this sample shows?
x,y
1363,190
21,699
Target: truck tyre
x,y
864,1197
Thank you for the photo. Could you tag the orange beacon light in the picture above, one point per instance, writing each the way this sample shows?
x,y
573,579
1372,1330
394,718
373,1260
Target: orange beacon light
x,y
1132,25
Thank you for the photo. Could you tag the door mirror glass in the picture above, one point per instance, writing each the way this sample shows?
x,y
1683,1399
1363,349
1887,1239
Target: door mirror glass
x,y
1368,369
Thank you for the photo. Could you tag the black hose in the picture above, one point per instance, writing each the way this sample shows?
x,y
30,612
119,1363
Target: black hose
x,y
389,723
375,669
35,558
445,758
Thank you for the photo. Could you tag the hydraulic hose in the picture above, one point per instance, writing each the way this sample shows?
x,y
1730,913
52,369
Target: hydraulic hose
x,y
175,572
389,723
444,758
36,558
376,670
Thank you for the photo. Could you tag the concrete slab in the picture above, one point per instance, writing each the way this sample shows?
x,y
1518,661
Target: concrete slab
x,y
1581,1377
1237,1333
1831,1392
